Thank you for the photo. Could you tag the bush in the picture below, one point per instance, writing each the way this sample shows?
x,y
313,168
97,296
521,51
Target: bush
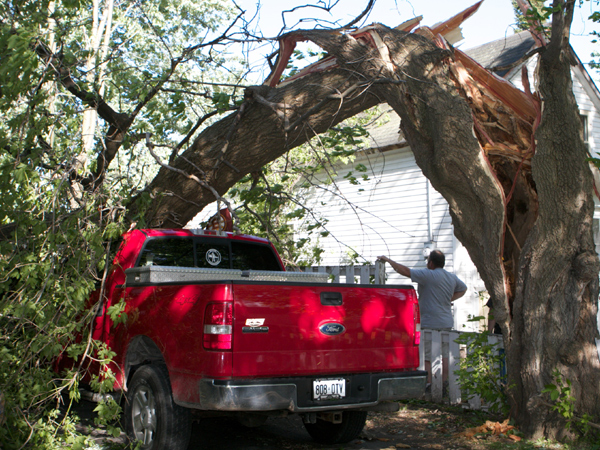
x,y
482,371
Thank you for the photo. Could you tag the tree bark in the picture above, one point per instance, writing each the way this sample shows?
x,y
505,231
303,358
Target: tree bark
x,y
526,222
270,122
555,305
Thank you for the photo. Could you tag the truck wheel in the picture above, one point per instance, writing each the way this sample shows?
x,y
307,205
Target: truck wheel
x,y
338,433
151,416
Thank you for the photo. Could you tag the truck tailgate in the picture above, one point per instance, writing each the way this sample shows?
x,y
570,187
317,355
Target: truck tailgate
x,y
284,329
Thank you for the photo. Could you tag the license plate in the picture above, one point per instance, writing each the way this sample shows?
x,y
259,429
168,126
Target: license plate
x,y
328,389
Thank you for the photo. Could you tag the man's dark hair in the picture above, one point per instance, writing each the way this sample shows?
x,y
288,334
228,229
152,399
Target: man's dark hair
x,y
437,258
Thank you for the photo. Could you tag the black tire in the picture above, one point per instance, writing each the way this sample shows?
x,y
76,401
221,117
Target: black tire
x,y
338,433
151,416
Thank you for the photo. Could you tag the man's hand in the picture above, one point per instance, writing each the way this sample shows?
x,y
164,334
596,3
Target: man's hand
x,y
401,269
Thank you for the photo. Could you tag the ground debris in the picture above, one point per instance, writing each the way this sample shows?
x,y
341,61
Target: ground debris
x,y
492,428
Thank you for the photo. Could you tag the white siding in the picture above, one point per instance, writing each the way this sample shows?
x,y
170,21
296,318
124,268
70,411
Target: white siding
x,y
589,105
388,215
385,215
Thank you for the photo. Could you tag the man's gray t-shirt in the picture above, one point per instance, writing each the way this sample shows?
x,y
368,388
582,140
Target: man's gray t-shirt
x,y
436,288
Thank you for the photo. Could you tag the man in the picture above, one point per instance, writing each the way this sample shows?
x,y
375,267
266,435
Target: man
x,y
437,290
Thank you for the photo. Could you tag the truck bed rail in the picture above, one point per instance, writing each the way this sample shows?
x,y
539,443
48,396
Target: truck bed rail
x,y
166,275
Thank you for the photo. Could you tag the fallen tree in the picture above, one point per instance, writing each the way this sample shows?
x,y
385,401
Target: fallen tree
x,y
511,165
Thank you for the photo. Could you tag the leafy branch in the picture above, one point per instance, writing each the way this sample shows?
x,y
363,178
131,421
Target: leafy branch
x,y
563,402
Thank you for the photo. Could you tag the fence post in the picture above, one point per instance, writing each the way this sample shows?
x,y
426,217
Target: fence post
x,y
425,337
335,271
349,274
436,366
453,365
475,401
365,272
379,272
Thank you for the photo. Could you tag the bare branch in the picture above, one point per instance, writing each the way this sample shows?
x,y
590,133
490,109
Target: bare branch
x,y
191,177
192,131
361,15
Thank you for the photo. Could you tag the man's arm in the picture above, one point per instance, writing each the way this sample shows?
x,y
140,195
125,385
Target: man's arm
x,y
460,289
401,269
457,295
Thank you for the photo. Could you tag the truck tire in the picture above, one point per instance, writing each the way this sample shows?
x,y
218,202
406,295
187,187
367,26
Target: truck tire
x,y
338,433
151,416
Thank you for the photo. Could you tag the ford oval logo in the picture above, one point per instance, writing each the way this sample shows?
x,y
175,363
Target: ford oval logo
x,y
332,329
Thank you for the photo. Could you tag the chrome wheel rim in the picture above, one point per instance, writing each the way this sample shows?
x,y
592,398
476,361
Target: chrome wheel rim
x,y
143,415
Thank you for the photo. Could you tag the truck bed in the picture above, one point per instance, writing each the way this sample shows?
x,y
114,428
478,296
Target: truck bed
x,y
284,323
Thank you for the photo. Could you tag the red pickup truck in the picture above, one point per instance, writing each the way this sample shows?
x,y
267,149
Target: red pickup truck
x,y
215,323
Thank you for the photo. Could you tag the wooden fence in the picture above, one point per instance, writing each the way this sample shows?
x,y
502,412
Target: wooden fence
x,y
436,339
368,274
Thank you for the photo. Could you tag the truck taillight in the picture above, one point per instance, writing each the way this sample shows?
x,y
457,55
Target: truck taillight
x,y
417,323
218,326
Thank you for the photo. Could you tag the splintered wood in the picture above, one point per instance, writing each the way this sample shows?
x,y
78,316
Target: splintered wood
x,y
505,117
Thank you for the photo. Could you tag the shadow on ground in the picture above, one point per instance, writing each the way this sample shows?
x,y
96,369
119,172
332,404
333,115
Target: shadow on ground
x,y
418,425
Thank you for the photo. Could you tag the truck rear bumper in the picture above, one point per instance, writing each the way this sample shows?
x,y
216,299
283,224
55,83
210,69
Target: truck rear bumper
x,y
295,394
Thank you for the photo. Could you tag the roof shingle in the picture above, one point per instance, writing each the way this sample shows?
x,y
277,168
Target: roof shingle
x,y
502,52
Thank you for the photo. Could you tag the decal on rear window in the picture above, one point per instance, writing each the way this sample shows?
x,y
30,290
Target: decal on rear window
x,y
213,257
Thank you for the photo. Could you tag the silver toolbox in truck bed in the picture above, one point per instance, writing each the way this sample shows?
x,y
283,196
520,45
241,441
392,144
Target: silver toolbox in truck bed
x,y
161,275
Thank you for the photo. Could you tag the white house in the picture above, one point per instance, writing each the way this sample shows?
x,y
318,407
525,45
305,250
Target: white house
x,y
397,213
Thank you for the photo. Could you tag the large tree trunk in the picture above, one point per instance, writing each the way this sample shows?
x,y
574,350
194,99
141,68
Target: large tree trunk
x,y
556,298
526,223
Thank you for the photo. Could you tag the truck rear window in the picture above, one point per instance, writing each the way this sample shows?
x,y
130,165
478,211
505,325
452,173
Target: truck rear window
x,y
253,257
181,252
169,251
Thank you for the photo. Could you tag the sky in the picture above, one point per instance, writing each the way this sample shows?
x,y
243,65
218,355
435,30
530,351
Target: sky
x,y
493,20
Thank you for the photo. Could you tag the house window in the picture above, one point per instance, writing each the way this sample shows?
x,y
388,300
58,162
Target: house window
x,y
584,130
